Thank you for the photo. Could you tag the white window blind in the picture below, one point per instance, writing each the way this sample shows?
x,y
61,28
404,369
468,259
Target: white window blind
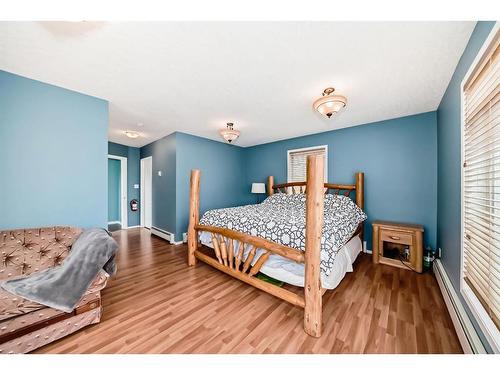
x,y
297,162
481,182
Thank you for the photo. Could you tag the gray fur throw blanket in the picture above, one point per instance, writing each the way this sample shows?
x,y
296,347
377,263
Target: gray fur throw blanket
x,y
62,287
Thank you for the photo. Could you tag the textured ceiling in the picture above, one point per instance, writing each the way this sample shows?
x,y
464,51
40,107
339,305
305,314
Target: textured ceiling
x,y
263,76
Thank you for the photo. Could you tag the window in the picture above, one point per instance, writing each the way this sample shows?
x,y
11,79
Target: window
x,y
480,282
297,162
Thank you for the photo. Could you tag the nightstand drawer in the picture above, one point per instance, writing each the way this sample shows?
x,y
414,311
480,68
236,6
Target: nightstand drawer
x,y
397,237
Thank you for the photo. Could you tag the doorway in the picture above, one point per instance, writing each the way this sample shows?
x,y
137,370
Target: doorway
x,y
146,192
117,193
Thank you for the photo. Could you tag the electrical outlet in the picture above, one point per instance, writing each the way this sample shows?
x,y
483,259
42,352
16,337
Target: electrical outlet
x,y
439,253
184,237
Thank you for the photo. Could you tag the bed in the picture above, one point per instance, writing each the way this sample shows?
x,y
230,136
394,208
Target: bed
x,y
306,234
281,218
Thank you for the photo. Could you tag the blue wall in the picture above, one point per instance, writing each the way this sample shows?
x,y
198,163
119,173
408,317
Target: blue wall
x,y
397,156
114,190
449,155
53,155
163,187
133,177
222,176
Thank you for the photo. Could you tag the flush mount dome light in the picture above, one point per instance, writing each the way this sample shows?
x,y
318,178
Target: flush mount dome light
x,y
229,134
329,104
132,134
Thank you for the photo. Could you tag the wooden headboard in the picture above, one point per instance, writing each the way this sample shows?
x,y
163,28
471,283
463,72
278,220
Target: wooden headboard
x,y
330,188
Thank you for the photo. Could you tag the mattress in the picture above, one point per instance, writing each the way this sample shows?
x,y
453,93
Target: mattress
x,y
292,273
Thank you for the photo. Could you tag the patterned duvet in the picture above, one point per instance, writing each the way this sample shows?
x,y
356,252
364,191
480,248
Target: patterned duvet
x,y
281,218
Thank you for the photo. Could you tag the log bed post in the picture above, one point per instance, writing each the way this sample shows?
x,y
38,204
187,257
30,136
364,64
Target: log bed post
x,y
270,183
360,200
194,215
313,319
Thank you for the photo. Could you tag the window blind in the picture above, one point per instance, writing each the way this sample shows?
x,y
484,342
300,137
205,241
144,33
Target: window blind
x,y
481,181
297,162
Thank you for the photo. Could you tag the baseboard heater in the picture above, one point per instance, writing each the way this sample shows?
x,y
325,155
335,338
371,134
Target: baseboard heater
x,y
469,339
170,237
163,234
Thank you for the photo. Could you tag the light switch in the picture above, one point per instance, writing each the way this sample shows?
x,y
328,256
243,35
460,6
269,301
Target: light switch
x,y
159,173
136,186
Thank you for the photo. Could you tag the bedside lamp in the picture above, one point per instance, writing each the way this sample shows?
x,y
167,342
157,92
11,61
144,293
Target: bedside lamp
x,y
258,188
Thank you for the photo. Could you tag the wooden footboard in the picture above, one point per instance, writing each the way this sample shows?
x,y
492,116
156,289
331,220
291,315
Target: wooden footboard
x,y
234,264
224,243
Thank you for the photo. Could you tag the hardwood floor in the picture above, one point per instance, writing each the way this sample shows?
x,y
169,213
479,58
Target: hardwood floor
x,y
156,304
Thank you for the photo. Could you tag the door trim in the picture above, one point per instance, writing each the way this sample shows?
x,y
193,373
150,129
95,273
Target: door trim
x,y
123,190
143,200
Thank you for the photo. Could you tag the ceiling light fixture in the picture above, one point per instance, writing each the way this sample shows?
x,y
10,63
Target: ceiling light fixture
x,y
329,104
229,134
132,134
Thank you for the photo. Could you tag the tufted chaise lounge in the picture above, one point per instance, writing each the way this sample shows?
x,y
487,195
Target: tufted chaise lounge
x,y
26,325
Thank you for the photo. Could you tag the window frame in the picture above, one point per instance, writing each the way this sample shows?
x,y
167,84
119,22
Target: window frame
x,y
304,149
483,319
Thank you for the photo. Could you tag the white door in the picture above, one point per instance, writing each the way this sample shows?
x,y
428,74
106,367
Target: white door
x,y
146,191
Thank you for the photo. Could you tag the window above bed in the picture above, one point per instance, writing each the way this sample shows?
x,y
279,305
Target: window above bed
x,y
297,161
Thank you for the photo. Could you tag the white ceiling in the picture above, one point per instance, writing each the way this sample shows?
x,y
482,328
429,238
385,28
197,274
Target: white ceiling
x,y
263,76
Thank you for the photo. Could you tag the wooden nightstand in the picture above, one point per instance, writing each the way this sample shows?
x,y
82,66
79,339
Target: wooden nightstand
x,y
399,245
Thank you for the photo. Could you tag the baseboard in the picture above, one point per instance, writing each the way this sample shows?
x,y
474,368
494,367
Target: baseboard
x,y
365,249
467,335
134,226
170,237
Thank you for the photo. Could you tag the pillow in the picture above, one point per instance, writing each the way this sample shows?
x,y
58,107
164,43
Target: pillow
x,y
283,198
342,207
332,203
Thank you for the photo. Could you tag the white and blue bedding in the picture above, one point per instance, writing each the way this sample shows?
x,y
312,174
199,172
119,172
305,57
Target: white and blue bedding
x,y
282,217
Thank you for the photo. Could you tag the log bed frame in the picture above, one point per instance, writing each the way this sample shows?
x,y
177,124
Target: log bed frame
x,y
234,265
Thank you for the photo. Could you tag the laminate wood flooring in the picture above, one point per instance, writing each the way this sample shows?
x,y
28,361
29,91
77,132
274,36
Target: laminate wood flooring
x,y
157,304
